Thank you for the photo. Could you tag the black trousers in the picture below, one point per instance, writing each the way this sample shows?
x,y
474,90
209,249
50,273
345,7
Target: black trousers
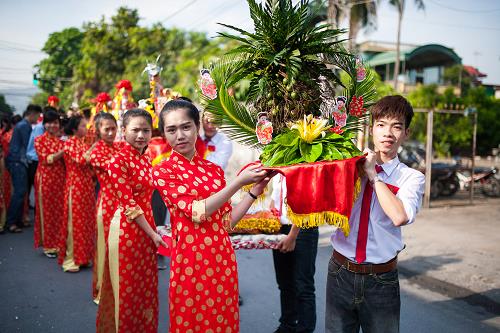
x,y
159,208
295,277
32,166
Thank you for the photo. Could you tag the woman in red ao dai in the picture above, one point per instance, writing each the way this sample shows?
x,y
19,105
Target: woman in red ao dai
x,y
100,156
49,185
129,294
203,291
77,241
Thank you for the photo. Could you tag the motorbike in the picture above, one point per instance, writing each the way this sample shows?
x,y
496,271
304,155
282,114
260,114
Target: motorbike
x,y
444,178
487,179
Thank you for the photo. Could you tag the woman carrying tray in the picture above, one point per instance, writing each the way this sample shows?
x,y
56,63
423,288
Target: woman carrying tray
x,y
203,275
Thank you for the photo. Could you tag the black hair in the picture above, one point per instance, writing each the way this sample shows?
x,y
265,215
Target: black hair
x,y
15,119
177,104
395,107
100,117
72,125
87,113
5,122
133,113
187,99
50,115
31,109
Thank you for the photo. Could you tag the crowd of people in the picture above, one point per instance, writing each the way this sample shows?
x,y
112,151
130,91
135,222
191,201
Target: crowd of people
x,y
94,207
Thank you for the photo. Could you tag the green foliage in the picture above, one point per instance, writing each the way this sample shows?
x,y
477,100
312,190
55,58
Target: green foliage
x,y
288,148
283,59
56,71
452,133
5,109
103,52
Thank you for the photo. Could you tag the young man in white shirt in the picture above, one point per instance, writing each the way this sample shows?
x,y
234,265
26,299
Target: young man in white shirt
x,y
219,147
363,284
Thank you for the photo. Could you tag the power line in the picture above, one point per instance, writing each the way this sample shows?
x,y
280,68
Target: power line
x,y
179,11
26,46
219,10
446,24
472,11
18,49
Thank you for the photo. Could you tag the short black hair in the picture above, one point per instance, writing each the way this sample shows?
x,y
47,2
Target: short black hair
x,y
50,116
100,117
15,119
87,113
31,109
393,107
133,113
177,104
72,124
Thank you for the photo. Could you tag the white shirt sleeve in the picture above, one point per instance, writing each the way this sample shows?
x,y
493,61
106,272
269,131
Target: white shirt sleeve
x,y
222,153
411,194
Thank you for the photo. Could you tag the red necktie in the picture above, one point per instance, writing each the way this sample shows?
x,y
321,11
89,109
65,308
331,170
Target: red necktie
x,y
363,220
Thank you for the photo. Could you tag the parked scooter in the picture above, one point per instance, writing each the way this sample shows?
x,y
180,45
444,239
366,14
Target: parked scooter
x,y
487,179
444,179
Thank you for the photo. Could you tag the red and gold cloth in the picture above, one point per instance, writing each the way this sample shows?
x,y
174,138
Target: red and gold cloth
x,y
321,192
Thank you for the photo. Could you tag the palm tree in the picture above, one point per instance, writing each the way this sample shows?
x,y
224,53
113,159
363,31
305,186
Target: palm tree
x,y
361,14
400,6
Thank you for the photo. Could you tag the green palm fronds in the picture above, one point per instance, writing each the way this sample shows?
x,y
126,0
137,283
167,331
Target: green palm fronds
x,y
283,59
233,117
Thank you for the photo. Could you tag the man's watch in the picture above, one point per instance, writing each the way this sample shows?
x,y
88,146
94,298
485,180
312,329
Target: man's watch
x,y
375,179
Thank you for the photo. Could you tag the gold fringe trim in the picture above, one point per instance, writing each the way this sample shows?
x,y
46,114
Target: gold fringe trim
x,y
316,219
264,225
357,189
260,198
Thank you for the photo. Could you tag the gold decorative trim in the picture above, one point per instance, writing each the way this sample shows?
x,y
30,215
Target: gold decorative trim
x,y
101,251
198,210
69,260
316,219
133,213
114,262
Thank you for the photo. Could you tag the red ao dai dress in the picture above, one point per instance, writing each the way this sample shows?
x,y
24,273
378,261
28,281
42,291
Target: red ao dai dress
x,y
77,241
49,192
100,156
203,290
129,294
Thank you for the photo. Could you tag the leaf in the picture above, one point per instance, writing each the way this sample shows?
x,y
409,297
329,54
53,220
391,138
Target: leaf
x,y
316,151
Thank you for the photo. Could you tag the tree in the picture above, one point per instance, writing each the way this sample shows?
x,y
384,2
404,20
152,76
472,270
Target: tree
x,y
400,6
453,133
119,48
361,15
56,71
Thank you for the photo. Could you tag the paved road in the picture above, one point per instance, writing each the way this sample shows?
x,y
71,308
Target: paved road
x,y
36,296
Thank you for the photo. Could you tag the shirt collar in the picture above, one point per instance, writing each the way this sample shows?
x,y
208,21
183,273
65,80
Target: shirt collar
x,y
389,167
213,139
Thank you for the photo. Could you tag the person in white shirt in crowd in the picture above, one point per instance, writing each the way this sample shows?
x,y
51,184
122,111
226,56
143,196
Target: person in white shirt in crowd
x,y
363,284
219,147
294,265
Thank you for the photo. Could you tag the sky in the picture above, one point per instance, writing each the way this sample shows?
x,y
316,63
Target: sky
x,y
471,28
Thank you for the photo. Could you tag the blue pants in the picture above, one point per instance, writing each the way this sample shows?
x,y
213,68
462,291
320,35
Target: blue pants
x,y
19,175
369,301
295,277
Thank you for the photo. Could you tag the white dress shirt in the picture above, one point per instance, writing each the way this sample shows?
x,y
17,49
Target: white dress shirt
x,y
384,239
223,149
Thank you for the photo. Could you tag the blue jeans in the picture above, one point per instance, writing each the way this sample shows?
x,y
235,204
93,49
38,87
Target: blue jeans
x,y
369,301
19,174
295,277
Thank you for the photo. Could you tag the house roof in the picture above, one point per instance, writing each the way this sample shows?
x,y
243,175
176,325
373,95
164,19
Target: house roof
x,y
473,71
418,57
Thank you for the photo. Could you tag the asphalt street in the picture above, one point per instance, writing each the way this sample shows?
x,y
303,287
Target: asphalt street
x,y
36,296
